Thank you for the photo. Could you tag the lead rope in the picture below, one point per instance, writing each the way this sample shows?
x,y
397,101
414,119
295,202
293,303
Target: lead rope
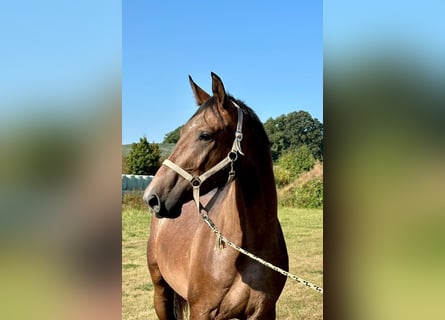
x,y
196,184
221,238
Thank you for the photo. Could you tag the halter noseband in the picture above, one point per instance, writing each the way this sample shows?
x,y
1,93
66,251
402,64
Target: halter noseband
x,y
232,156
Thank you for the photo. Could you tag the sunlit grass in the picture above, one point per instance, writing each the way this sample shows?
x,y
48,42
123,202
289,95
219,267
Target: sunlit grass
x,y
303,229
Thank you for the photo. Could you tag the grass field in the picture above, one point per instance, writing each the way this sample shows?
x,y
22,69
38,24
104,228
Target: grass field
x,y
303,230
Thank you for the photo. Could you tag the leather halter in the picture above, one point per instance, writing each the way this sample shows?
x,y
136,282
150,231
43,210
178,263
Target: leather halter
x,y
231,157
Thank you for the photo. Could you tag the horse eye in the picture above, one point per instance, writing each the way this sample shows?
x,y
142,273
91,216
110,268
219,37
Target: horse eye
x,y
205,136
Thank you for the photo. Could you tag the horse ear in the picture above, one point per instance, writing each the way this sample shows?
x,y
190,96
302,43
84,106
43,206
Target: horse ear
x,y
218,89
200,95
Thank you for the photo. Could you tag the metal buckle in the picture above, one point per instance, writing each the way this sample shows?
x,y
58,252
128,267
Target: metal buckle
x,y
239,136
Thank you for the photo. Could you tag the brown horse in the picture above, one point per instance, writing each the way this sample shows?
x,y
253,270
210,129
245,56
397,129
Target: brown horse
x,y
224,138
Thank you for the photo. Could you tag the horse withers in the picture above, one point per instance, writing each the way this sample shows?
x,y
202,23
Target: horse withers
x,y
224,155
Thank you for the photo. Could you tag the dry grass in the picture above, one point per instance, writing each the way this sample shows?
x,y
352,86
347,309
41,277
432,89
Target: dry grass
x,y
315,173
286,194
303,232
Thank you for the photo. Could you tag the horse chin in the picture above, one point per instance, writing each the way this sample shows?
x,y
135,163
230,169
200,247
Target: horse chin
x,y
169,210
169,214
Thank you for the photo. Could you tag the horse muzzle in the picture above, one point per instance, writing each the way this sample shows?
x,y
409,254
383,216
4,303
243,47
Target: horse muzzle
x,y
157,207
153,202
170,208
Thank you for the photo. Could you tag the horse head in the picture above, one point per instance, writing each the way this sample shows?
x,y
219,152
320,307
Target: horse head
x,y
205,140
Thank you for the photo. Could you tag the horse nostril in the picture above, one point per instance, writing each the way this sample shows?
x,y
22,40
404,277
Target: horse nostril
x,y
154,203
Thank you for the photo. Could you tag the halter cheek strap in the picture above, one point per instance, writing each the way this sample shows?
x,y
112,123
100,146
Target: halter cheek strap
x,y
231,157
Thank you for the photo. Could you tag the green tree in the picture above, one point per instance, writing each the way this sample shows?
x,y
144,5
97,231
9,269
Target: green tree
x,y
173,136
293,130
124,164
144,158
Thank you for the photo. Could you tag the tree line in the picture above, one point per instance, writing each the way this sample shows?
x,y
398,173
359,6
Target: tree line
x,y
287,133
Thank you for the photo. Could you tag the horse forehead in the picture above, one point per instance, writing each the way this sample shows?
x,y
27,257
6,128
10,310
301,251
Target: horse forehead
x,y
208,118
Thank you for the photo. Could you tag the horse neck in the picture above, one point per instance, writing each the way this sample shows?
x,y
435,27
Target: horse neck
x,y
256,195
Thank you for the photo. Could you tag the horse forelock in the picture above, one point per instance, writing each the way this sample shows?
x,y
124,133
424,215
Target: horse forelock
x,y
252,121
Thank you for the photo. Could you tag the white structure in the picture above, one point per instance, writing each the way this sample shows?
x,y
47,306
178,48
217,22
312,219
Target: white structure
x,y
132,182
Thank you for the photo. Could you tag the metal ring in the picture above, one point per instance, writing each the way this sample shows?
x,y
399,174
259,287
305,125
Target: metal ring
x,y
195,182
233,155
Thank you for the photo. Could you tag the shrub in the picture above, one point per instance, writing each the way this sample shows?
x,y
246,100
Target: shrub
x,y
282,176
310,194
292,163
287,196
144,158
124,165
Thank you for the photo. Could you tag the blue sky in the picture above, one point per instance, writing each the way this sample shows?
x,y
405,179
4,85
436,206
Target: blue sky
x,y
56,50
267,54
375,27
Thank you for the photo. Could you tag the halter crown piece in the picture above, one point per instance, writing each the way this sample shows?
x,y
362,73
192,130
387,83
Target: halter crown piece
x,y
232,156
